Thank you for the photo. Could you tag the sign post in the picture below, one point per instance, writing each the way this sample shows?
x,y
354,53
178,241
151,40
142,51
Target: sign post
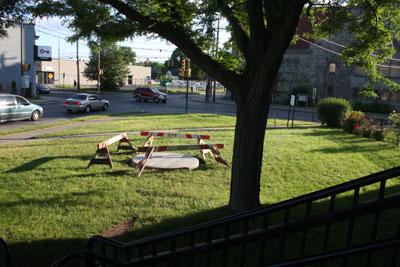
x,y
314,95
292,104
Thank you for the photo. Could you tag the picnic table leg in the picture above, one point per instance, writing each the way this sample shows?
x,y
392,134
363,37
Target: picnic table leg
x,y
95,159
203,151
143,162
125,140
218,157
149,141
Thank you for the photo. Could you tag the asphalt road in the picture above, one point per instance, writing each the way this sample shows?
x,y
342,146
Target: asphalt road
x,y
124,102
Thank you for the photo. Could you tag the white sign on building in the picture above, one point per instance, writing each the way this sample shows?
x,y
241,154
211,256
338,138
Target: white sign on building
x,y
43,53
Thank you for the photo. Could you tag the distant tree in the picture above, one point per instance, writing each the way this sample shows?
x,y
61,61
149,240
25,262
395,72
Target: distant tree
x,y
114,61
11,12
157,70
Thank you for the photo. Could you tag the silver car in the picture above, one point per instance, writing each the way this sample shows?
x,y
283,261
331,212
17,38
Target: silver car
x,y
15,107
85,102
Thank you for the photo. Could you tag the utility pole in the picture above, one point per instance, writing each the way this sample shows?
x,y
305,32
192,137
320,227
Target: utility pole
x,y
22,57
78,85
187,68
98,72
59,68
216,55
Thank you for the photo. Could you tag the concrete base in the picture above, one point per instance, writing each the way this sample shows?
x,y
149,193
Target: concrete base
x,y
168,161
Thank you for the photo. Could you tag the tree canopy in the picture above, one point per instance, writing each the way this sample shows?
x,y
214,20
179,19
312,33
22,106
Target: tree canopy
x,y
113,61
247,66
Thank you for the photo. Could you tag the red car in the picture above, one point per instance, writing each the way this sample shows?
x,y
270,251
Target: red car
x,y
149,93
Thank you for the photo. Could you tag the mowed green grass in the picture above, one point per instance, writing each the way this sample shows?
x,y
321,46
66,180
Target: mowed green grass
x,y
162,122
51,203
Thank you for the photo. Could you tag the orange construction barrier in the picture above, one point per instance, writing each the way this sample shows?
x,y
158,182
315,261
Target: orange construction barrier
x,y
102,149
200,139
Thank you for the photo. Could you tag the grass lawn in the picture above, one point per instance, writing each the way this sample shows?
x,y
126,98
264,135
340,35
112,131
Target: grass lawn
x,y
51,203
47,125
157,122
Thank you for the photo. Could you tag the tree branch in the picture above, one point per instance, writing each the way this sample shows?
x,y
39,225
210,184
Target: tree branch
x,y
256,22
240,35
373,11
180,36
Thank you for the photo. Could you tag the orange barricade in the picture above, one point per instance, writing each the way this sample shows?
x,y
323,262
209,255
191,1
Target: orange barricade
x,y
102,149
204,148
200,139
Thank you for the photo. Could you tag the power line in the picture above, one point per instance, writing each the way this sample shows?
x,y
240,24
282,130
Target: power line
x,y
337,53
343,46
52,30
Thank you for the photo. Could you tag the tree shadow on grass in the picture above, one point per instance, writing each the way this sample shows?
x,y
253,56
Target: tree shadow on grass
x,y
33,164
41,253
69,199
44,252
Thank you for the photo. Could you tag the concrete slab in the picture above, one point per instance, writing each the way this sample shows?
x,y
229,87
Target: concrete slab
x,y
168,161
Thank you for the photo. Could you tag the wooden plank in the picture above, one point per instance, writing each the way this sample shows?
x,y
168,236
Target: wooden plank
x,y
181,147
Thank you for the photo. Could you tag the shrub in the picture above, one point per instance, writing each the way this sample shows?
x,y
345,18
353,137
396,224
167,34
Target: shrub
x,y
332,110
394,120
374,107
353,121
299,89
13,87
378,134
29,91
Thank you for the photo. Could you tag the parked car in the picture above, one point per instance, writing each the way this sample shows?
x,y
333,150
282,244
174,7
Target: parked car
x,y
15,107
85,102
149,93
42,89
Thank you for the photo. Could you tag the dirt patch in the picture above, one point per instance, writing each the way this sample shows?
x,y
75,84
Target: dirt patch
x,y
119,229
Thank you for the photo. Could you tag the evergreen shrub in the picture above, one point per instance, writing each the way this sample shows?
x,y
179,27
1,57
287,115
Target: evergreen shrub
x,y
13,87
332,110
374,107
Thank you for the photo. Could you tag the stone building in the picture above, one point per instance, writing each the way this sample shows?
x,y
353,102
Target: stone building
x,y
317,64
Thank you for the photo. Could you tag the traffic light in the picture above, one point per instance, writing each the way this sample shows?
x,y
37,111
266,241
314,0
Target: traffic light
x,y
182,69
187,64
189,72
26,67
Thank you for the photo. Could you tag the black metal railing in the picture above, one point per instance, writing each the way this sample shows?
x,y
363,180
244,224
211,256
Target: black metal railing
x,y
5,254
352,224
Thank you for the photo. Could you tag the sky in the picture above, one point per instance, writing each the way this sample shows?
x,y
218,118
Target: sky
x,y
53,33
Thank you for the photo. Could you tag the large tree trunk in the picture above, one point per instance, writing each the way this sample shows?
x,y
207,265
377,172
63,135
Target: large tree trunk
x,y
252,115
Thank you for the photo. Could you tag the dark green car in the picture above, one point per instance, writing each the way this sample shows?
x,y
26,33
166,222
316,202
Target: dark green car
x,y
15,107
